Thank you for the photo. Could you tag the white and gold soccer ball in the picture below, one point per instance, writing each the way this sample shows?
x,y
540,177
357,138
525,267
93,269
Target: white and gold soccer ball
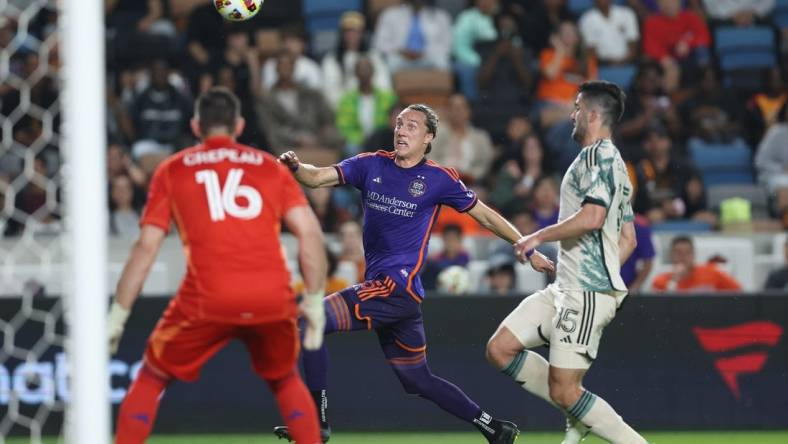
x,y
238,10
454,280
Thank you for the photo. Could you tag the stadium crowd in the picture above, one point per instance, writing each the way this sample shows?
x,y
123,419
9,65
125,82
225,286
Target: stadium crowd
x,y
502,73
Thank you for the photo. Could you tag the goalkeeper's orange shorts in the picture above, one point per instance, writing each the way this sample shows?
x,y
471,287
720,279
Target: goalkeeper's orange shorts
x,y
179,347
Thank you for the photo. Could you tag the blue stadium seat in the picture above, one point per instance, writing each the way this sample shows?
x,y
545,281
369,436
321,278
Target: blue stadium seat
x,y
682,226
781,13
723,164
323,15
618,74
745,48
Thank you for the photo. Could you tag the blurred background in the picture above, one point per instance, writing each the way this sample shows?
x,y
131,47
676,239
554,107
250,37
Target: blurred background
x,y
704,135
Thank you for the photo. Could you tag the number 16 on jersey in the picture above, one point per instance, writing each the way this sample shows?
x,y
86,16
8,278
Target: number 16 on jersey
x,y
222,200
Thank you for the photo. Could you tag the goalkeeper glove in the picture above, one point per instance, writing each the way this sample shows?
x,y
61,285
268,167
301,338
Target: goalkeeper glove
x,y
313,311
115,323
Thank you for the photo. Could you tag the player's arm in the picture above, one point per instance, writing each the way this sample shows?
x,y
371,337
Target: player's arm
x,y
590,217
303,223
310,175
138,265
491,220
627,242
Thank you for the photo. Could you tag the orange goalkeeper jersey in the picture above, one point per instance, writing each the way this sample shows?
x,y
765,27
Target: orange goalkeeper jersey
x,y
227,201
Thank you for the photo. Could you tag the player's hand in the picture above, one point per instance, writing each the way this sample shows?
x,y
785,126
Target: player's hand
x,y
541,263
290,160
313,310
116,321
525,246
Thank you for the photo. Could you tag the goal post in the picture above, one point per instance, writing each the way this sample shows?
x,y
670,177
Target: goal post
x,y
84,148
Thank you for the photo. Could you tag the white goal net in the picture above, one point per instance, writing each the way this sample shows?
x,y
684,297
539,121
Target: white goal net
x,y
53,356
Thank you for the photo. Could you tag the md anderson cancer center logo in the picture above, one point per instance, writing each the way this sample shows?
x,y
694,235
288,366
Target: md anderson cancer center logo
x,y
390,204
417,187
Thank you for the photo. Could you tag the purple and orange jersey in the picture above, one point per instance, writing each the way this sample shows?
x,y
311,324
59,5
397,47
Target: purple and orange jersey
x,y
400,208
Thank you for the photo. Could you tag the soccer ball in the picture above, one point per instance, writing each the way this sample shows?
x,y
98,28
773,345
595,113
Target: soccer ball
x,y
454,280
238,10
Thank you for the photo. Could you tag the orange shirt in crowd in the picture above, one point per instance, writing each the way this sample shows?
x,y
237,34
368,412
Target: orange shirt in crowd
x,y
563,87
702,278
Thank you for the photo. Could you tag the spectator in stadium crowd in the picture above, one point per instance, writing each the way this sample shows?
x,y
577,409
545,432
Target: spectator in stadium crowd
x,y
711,101
771,161
351,253
677,36
294,116
137,29
648,103
739,12
364,109
687,276
237,68
160,114
124,218
452,253
475,24
778,279
610,32
545,201
636,269
564,66
644,8
381,138
307,72
37,202
120,163
119,125
516,178
764,106
668,187
339,66
504,80
460,145
202,43
322,203
501,278
414,35
541,18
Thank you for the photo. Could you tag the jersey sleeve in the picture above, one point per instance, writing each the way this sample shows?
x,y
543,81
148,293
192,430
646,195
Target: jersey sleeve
x,y
291,192
353,170
599,180
456,194
629,215
158,209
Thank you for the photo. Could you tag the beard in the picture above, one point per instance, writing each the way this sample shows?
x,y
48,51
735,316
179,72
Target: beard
x,y
578,132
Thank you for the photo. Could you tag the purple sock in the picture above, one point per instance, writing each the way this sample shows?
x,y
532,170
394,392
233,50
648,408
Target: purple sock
x,y
420,381
316,368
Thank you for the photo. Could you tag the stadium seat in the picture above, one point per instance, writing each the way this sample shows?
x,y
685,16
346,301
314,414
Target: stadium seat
x,y
738,252
621,75
682,226
722,164
432,87
323,15
756,195
745,48
781,13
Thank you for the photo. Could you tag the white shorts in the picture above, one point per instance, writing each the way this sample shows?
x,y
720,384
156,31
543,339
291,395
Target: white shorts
x,y
570,322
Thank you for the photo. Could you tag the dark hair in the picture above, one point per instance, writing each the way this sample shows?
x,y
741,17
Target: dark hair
x,y
452,228
606,95
217,107
430,119
682,240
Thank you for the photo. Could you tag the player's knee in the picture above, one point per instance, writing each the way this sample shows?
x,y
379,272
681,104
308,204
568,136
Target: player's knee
x,y
414,382
564,395
498,353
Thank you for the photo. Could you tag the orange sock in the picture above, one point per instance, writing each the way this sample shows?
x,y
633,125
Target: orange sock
x,y
297,408
138,410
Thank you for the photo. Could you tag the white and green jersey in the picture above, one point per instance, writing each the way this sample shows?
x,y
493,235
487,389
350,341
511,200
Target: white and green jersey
x,y
590,262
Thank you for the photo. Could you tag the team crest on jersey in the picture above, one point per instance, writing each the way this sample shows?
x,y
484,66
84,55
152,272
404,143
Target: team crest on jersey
x,y
417,187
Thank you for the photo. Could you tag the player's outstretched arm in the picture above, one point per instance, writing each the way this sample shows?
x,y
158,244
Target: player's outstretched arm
x,y
627,242
303,223
590,217
143,254
310,175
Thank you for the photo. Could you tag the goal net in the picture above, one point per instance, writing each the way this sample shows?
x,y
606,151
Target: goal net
x,y
53,296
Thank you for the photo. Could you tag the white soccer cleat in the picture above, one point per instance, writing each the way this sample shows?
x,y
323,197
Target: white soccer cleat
x,y
576,431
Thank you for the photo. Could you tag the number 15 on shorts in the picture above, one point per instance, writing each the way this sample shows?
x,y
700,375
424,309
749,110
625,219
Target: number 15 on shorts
x,y
567,320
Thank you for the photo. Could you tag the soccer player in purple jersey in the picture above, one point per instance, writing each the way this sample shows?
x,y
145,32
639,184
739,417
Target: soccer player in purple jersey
x,y
402,193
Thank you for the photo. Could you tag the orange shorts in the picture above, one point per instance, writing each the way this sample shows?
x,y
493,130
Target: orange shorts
x,y
179,347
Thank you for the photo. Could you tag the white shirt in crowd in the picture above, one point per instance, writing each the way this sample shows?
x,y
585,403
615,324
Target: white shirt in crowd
x,y
394,25
725,9
307,73
610,36
341,78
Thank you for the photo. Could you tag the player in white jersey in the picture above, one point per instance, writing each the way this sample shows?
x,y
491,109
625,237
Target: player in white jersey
x,y
596,235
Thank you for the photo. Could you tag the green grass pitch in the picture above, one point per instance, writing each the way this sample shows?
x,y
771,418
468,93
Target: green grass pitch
x,y
470,438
